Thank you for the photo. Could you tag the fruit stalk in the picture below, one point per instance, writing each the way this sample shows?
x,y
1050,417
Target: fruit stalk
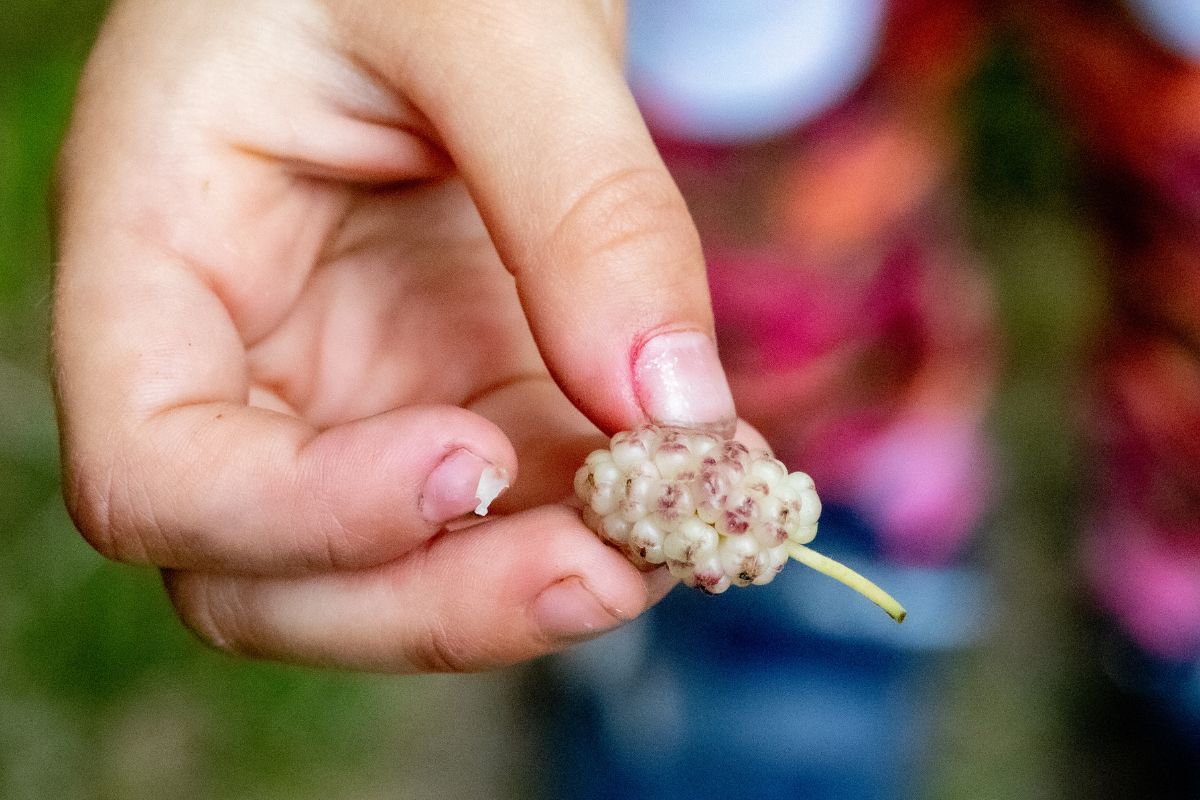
x,y
840,572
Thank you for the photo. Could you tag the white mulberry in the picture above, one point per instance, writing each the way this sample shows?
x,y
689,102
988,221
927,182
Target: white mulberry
x,y
715,513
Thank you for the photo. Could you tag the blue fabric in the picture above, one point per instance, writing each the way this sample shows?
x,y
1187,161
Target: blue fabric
x,y
1169,689
756,693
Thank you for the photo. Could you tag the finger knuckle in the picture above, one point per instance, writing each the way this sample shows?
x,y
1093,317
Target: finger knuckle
x,y
104,507
88,505
439,649
89,498
213,623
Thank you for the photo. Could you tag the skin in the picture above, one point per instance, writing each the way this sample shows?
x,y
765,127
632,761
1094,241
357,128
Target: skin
x,y
306,251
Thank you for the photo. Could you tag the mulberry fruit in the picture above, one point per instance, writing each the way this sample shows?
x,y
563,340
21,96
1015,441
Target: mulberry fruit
x,y
714,512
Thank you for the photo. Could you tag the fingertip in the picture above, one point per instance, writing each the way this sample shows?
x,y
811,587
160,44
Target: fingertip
x,y
460,484
600,591
679,381
748,435
441,462
659,583
569,611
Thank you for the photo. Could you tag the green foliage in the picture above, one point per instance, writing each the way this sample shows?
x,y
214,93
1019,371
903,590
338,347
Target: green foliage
x,y
1018,151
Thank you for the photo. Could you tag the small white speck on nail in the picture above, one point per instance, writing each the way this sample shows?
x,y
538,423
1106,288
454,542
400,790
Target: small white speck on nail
x,y
492,481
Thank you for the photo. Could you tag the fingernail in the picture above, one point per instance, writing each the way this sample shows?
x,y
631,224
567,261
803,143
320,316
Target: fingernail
x,y
462,483
680,382
567,611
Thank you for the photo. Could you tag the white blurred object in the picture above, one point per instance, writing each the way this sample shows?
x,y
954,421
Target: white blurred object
x,y
716,70
1175,23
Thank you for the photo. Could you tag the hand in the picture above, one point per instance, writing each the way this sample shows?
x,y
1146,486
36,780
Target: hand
x,y
321,267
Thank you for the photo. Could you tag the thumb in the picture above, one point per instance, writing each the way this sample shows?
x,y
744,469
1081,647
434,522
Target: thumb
x,y
531,103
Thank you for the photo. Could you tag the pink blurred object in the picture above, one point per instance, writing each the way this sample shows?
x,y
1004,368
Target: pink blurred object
x,y
924,483
782,310
1147,581
854,376
1142,552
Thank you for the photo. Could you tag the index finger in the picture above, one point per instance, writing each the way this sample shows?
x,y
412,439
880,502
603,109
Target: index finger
x,y
577,200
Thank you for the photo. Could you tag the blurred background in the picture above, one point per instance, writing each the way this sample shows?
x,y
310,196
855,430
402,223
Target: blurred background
x,y
103,695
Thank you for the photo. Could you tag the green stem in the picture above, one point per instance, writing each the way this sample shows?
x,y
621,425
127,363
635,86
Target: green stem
x,y
840,572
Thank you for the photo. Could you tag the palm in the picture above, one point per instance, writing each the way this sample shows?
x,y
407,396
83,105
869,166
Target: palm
x,y
406,303
355,270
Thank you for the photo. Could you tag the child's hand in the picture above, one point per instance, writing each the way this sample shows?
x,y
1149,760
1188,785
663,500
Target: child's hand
x,y
288,337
